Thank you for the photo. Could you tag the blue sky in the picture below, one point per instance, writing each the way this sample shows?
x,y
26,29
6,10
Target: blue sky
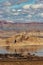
x,y
21,10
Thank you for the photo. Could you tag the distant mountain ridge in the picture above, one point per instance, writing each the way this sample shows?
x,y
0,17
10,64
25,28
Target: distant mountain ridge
x,y
32,26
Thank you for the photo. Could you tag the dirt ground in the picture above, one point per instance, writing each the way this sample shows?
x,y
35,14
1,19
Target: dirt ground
x,y
22,63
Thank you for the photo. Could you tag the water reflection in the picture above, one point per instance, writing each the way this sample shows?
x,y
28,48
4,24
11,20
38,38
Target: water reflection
x,y
8,50
3,50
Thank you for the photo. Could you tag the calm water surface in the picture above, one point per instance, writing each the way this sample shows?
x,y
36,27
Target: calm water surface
x,y
38,52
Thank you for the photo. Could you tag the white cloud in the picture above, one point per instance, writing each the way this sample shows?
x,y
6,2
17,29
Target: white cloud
x,y
19,10
1,16
9,21
27,6
7,3
29,16
36,6
20,19
41,14
16,13
13,10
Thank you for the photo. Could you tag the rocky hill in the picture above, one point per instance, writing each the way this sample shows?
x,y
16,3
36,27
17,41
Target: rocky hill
x,y
33,26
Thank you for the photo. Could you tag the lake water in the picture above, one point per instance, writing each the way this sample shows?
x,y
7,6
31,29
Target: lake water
x,y
4,50
37,52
